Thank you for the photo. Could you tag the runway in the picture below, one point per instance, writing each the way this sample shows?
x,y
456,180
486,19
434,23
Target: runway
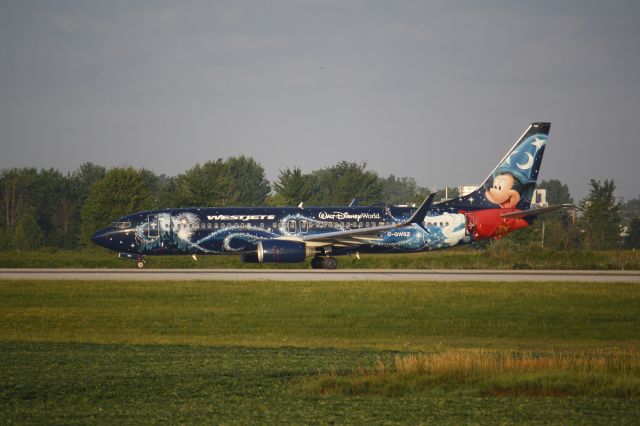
x,y
315,275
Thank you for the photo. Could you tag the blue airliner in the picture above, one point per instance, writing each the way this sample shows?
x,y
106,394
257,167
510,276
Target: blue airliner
x,y
292,234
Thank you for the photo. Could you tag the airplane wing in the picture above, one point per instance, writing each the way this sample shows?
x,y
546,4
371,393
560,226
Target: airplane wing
x,y
534,212
353,237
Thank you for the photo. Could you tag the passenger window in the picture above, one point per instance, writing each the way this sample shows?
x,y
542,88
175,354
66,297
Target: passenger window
x,y
292,225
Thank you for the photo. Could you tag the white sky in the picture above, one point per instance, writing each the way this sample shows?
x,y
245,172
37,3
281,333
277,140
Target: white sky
x,y
434,90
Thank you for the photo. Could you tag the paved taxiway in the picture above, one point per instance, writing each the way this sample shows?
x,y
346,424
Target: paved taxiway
x,y
314,275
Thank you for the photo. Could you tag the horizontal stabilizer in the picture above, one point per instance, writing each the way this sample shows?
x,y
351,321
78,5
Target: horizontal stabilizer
x,y
534,212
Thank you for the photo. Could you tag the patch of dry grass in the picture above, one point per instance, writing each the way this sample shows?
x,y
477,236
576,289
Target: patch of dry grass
x,y
603,372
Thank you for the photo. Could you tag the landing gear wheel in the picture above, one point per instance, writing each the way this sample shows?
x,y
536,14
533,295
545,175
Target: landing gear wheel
x,y
140,264
329,263
316,262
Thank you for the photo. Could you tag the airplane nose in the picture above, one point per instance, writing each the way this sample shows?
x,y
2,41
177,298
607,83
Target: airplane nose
x,y
100,237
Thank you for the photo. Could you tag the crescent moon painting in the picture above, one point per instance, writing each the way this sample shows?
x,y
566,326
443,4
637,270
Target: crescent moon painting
x,y
528,164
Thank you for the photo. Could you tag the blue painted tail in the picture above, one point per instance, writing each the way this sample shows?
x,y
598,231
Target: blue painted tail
x,y
512,182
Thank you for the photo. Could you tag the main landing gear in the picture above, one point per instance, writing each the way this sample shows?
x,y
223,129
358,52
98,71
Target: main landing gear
x,y
327,262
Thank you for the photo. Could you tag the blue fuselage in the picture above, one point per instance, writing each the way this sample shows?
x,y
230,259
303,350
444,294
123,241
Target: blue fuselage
x,y
238,230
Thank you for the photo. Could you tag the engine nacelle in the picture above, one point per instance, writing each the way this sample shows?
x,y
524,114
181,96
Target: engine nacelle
x,y
249,258
280,251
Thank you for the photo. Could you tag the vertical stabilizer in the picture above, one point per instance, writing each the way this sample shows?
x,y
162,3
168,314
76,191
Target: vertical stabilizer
x,y
513,180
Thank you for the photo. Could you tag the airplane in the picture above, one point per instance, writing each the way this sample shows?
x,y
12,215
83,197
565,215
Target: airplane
x,y
293,234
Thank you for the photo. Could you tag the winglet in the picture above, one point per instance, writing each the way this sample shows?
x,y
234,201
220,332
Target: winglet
x,y
418,215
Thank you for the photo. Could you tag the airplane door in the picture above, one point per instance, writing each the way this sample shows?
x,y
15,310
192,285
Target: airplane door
x,y
152,228
164,224
470,222
158,225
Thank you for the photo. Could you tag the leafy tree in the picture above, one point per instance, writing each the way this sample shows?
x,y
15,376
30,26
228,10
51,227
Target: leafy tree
x,y
17,186
77,187
630,210
449,192
249,184
6,239
557,192
203,185
48,197
529,237
120,192
404,190
168,195
341,183
558,225
47,191
28,235
632,241
293,187
87,175
600,221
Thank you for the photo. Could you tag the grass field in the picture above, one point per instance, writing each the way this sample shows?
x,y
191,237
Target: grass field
x,y
299,352
498,256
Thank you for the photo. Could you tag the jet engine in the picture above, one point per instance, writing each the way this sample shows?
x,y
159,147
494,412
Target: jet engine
x,y
280,251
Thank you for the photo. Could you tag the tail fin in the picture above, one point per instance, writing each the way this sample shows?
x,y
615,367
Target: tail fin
x,y
512,181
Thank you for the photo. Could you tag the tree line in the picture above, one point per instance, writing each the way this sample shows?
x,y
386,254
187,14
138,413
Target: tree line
x,y
47,208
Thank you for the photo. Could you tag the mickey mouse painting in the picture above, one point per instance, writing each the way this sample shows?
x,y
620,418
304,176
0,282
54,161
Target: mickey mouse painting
x,y
505,191
514,179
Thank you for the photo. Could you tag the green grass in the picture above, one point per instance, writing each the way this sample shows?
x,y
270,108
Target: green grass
x,y
44,383
387,315
247,352
497,256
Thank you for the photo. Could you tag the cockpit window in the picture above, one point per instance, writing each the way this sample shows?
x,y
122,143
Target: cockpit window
x,y
121,225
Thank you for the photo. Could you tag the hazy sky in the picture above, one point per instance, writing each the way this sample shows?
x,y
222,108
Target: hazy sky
x,y
434,90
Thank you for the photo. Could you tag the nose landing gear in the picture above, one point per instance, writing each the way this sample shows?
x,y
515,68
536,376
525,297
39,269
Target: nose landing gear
x,y
140,262
138,257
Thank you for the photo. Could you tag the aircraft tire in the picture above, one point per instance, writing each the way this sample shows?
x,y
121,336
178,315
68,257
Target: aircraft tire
x,y
316,263
140,264
329,263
